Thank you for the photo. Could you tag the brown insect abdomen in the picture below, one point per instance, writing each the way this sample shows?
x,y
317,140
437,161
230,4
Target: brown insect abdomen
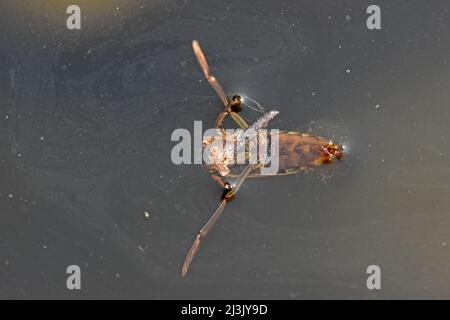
x,y
300,151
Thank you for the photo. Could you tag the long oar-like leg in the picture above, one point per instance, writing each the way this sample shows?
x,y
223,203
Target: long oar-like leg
x,y
205,68
203,232
212,81
228,195
218,88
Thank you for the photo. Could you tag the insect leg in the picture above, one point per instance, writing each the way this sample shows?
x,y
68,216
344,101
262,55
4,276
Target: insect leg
x,y
239,121
205,68
203,233
219,180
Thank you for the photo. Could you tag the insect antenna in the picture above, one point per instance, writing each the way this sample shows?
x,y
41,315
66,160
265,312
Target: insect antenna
x,y
258,108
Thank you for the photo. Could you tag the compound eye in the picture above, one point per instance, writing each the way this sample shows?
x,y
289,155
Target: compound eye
x,y
236,103
236,98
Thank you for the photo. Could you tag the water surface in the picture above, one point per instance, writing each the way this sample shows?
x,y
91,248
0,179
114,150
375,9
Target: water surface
x,y
85,124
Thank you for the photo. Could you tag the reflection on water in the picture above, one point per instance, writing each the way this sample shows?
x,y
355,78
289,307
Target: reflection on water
x,y
86,119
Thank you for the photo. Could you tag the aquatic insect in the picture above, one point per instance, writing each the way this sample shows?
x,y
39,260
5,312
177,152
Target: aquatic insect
x,y
297,152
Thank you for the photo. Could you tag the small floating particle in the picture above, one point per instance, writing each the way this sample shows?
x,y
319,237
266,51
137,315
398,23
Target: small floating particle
x,y
348,71
146,214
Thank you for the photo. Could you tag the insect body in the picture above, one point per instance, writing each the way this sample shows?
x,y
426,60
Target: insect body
x,y
297,152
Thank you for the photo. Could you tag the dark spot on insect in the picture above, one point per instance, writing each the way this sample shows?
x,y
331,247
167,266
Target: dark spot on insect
x,y
227,192
236,102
